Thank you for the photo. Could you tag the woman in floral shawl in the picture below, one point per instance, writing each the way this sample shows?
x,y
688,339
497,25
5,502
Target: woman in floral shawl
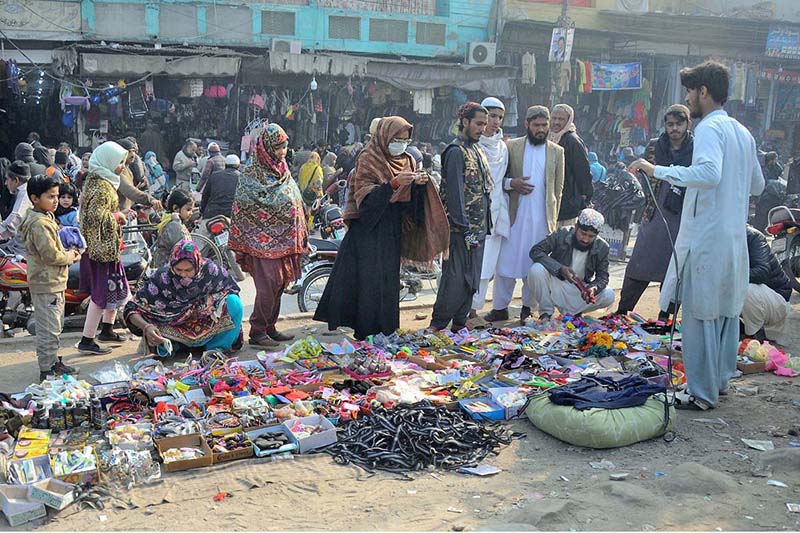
x,y
268,231
191,301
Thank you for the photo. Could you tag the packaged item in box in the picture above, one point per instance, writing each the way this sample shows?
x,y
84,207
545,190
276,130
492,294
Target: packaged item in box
x,y
482,408
229,446
27,471
272,440
312,432
131,437
184,452
76,466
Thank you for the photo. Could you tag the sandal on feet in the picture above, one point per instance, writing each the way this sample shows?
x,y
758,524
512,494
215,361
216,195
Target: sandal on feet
x,y
685,401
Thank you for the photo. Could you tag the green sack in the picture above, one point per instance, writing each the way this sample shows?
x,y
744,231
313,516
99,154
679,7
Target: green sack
x,y
600,428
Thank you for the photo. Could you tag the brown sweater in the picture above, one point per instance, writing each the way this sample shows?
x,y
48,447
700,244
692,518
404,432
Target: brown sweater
x,y
48,263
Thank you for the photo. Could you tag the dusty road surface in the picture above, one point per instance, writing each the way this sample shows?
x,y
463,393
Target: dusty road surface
x,y
705,479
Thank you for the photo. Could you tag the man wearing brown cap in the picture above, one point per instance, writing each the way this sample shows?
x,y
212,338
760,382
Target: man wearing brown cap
x,y
17,176
534,185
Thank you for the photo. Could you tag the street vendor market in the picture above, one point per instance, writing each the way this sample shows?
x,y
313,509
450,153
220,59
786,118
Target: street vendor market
x,y
406,402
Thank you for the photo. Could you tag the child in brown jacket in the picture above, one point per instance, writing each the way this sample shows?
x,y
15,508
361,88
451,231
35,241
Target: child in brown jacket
x,y
48,265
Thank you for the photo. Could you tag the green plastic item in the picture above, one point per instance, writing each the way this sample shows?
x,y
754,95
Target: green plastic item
x,y
600,428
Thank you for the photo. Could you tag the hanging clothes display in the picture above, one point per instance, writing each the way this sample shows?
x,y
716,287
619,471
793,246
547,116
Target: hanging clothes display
x,y
423,101
529,68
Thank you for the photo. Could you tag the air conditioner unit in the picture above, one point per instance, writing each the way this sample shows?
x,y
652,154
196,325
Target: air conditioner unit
x,y
291,46
481,53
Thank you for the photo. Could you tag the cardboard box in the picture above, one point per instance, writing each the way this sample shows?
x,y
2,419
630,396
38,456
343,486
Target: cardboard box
x,y
194,440
511,411
427,365
753,367
243,453
495,412
253,435
90,476
318,440
53,493
41,465
17,507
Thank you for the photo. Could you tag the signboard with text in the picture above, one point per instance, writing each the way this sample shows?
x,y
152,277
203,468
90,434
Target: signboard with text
x,y
783,42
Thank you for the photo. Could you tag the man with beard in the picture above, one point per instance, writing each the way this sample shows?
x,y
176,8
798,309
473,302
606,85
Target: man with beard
x,y
653,250
570,269
578,187
465,189
497,155
712,241
536,170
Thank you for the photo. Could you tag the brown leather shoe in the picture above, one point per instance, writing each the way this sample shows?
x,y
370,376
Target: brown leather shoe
x,y
280,337
262,340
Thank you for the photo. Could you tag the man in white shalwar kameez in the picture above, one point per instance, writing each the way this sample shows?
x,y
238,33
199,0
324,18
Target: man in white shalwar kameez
x,y
497,154
711,246
534,186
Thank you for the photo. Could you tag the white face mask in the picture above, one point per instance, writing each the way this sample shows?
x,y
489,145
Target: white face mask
x,y
397,148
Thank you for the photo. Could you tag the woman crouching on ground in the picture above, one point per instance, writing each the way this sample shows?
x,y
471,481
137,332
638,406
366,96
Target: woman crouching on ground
x,y
191,301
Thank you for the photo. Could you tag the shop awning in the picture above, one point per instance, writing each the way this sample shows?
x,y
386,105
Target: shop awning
x,y
137,65
417,76
321,64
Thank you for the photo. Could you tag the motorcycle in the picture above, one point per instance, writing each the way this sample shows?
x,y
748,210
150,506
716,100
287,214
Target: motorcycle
x,y
212,239
16,306
784,226
318,264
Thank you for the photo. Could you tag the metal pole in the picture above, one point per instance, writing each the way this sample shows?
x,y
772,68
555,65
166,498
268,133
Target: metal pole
x,y
770,106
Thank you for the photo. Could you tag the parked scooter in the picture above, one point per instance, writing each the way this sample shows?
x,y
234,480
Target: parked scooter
x,y
784,225
318,264
16,306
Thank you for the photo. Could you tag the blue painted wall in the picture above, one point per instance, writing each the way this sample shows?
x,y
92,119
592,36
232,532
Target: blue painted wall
x,y
465,21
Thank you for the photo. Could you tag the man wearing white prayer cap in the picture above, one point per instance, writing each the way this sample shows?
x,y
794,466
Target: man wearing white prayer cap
x,y
497,154
570,269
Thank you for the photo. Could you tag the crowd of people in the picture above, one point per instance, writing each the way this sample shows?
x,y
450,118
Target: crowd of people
x,y
491,208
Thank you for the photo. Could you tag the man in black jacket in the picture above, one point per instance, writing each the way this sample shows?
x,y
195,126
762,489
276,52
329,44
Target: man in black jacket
x,y
577,173
220,189
653,249
766,305
570,269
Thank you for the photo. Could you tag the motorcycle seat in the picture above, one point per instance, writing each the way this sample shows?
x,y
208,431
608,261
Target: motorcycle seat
x,y
326,245
133,264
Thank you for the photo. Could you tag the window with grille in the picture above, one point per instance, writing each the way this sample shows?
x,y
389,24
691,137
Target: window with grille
x,y
428,33
277,22
344,27
390,31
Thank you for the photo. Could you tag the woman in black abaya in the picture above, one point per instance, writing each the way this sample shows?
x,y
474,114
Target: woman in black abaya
x,y
391,212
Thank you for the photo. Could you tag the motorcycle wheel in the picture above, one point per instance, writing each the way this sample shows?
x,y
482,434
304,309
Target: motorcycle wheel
x,y
312,289
791,265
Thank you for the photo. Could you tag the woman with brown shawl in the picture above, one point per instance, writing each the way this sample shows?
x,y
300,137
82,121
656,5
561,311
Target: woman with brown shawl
x,y
392,212
268,231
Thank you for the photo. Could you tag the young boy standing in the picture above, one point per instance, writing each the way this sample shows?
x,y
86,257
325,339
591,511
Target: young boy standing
x,y
48,265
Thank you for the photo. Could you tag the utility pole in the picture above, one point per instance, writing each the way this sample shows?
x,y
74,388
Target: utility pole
x,y
555,68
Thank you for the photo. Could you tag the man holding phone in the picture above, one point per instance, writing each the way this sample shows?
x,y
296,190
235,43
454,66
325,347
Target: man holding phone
x,y
534,186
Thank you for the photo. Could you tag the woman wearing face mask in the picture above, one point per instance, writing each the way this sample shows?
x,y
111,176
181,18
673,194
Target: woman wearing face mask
x,y
268,231
102,273
191,301
392,212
